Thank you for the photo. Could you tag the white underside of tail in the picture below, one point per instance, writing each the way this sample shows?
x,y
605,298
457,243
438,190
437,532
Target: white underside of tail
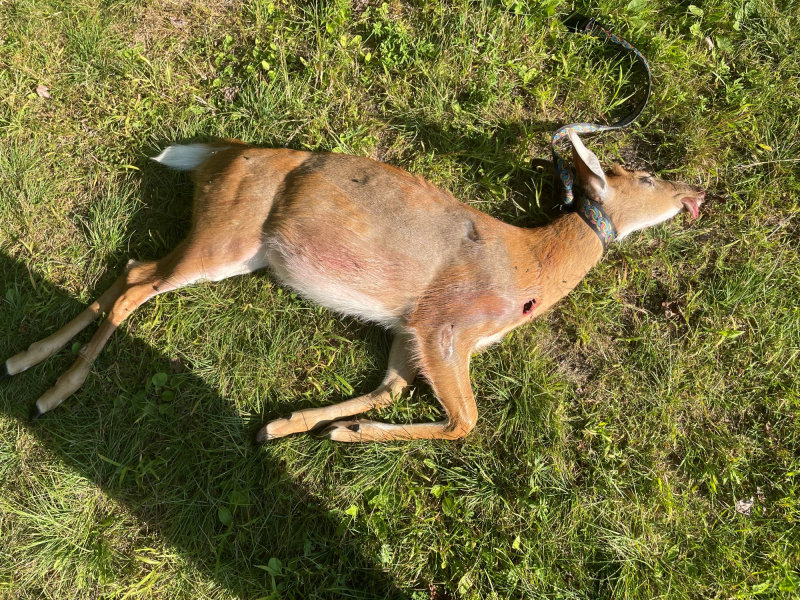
x,y
186,158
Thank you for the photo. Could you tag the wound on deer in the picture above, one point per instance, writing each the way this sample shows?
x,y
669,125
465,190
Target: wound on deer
x,y
528,306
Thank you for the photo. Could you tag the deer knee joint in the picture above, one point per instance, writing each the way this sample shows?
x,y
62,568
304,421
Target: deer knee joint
x,y
124,305
460,426
469,423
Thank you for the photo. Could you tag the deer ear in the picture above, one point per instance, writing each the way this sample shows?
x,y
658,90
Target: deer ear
x,y
590,173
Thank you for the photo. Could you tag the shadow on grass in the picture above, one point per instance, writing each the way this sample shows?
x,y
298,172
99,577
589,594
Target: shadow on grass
x,y
186,472
527,194
184,464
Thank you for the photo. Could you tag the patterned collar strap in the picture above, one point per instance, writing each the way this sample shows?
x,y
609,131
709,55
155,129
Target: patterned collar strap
x,y
596,218
581,24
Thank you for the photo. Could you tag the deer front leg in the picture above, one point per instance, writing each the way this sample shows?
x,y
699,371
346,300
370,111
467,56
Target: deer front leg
x,y
448,373
399,375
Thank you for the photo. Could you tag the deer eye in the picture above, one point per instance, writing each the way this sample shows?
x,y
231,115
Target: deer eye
x,y
648,180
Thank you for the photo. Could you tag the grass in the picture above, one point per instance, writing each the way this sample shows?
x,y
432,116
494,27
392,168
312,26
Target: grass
x,y
616,434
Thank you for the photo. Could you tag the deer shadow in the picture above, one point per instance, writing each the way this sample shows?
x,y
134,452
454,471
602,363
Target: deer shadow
x,y
529,184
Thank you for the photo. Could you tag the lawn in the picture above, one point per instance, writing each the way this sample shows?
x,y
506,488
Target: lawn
x,y
616,434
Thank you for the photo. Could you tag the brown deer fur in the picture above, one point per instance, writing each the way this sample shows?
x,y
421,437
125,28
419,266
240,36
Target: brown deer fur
x,y
372,241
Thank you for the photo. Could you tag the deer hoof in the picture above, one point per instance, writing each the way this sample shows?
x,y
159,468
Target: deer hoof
x,y
35,413
263,436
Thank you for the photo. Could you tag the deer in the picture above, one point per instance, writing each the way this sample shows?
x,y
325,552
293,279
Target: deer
x,y
374,242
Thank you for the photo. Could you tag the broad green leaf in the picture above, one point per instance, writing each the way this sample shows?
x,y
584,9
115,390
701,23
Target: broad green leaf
x,y
225,515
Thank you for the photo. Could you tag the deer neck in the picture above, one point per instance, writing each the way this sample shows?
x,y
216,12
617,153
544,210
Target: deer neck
x,y
566,249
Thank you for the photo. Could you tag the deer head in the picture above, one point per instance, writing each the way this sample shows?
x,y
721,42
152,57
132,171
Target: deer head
x,y
633,199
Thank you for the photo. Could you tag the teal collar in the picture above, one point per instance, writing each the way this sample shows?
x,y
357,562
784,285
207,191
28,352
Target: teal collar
x,y
596,218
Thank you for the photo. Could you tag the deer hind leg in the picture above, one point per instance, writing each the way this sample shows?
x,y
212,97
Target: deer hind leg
x,y
449,378
137,285
43,349
399,375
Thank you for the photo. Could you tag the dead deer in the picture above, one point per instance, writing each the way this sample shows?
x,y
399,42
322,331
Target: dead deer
x,y
371,241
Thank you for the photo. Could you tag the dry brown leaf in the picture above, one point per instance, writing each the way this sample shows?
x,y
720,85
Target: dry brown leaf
x,y
176,365
230,93
743,507
672,311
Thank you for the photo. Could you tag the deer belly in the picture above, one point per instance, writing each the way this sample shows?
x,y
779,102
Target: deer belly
x,y
333,275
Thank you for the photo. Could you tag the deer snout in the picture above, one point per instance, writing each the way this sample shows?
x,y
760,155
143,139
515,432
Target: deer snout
x,y
692,203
